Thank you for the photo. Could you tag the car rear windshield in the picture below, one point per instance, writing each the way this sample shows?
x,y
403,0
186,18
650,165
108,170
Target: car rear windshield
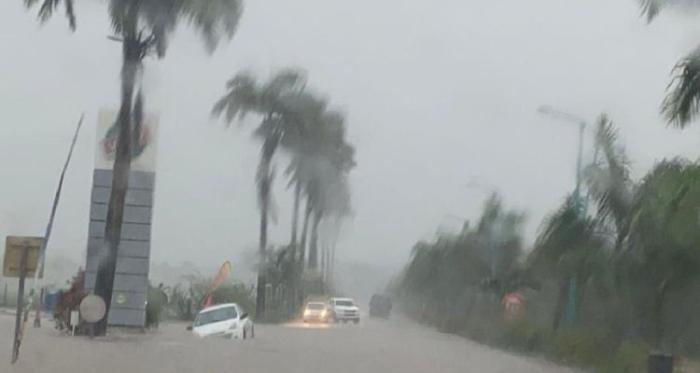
x,y
213,316
315,306
344,303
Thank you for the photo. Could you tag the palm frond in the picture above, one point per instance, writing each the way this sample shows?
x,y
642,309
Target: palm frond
x,y
651,8
161,17
70,13
48,7
241,98
288,79
214,19
608,181
565,240
681,104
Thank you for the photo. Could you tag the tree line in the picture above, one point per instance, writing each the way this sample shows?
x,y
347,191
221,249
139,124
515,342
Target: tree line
x,y
626,263
607,278
300,123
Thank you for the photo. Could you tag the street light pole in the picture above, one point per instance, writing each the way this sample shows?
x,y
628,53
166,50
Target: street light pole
x,y
579,170
580,205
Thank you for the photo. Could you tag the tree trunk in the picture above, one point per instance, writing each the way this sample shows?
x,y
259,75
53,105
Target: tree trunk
x,y
120,175
333,242
304,230
313,245
580,298
658,316
264,179
331,262
295,217
560,303
323,259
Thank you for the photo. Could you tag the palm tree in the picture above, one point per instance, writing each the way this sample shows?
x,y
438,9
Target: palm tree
x,y
276,102
338,208
663,254
316,203
609,180
329,159
500,232
610,186
143,27
322,145
301,145
568,248
681,105
292,172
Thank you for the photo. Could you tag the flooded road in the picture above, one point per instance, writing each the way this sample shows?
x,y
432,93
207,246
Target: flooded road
x,y
372,346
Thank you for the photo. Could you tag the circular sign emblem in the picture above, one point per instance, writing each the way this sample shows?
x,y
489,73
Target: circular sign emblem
x,y
92,308
120,298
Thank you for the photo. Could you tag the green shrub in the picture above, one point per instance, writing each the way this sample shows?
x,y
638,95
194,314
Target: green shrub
x,y
524,335
235,293
582,347
630,357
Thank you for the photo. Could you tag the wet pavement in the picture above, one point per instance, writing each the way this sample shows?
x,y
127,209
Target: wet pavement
x,y
395,345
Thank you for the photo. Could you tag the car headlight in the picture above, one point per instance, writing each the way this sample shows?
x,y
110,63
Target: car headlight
x,y
323,313
234,325
307,312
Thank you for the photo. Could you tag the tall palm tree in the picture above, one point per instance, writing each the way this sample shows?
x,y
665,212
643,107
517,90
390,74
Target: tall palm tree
x,y
338,208
325,159
143,28
298,171
609,180
301,146
276,102
681,105
316,200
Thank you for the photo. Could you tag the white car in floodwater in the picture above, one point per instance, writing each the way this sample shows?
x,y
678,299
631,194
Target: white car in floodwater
x,y
344,309
223,320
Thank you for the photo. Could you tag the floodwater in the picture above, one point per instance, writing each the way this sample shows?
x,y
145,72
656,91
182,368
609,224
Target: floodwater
x,y
396,345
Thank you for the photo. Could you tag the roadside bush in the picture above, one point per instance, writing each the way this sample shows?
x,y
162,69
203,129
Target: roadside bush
x,y
524,335
185,302
630,357
581,347
235,293
180,305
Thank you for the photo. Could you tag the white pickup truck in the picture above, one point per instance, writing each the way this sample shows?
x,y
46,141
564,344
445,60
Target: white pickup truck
x,y
344,309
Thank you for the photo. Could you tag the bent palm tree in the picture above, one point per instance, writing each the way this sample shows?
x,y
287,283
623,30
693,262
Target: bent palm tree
x,y
326,186
274,102
681,105
143,27
663,256
609,181
567,249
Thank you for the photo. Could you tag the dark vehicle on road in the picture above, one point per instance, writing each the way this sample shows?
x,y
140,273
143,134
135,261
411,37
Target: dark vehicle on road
x,y
380,306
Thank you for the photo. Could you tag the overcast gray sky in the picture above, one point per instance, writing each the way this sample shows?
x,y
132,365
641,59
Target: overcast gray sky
x,y
437,94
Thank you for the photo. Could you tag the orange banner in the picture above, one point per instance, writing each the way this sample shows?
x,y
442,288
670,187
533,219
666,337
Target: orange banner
x,y
220,278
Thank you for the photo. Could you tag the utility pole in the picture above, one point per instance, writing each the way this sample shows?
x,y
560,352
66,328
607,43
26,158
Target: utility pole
x,y
20,305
